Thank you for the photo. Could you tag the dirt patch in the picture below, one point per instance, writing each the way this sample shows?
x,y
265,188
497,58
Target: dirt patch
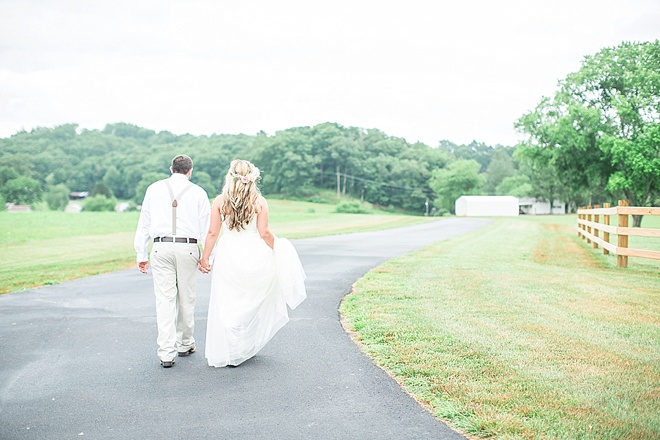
x,y
558,248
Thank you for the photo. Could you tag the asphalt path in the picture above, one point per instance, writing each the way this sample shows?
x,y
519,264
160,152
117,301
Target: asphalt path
x,y
78,360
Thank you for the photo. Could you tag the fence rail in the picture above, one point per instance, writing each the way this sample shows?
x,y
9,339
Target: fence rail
x,y
589,228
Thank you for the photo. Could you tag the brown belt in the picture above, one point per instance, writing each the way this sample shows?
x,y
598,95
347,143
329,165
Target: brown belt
x,y
174,240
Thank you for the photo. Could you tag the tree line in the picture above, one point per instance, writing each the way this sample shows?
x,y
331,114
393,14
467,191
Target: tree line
x,y
596,140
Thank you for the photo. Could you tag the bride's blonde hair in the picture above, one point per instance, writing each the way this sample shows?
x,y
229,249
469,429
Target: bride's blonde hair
x,y
240,203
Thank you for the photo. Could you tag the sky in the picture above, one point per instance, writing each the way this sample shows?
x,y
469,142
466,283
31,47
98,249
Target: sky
x,y
421,70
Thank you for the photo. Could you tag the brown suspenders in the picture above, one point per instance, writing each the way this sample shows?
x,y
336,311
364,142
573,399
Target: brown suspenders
x,y
175,203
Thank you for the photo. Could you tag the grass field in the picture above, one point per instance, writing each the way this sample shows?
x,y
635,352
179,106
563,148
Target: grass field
x,y
44,247
519,330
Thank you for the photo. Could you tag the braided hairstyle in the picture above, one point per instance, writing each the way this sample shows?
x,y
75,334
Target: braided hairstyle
x,y
241,194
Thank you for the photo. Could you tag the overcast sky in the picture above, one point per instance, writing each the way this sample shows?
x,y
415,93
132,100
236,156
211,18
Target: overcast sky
x,y
421,70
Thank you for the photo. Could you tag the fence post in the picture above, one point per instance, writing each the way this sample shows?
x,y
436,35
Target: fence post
x,y
589,227
596,230
579,225
606,235
622,260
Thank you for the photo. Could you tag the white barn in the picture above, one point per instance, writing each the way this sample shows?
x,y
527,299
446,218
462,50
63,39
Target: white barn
x,y
487,206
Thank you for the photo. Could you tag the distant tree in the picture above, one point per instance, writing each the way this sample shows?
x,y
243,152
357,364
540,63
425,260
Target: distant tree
x,y
102,189
22,191
100,202
57,176
57,197
204,180
133,174
115,182
21,163
7,174
500,167
289,167
477,151
458,179
124,130
86,174
547,184
517,186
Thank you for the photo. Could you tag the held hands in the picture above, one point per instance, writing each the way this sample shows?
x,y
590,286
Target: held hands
x,y
204,266
143,266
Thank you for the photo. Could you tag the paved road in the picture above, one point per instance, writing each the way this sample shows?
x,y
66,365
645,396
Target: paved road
x,y
78,361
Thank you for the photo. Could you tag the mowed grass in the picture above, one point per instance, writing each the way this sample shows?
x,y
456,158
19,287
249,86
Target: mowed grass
x,y
519,330
43,247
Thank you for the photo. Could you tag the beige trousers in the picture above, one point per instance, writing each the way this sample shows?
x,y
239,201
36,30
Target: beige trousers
x,y
174,269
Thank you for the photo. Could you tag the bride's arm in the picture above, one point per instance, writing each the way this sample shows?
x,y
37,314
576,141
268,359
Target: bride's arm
x,y
262,223
212,234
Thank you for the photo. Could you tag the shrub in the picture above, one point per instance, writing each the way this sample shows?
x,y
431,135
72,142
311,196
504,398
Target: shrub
x,y
100,203
350,208
57,197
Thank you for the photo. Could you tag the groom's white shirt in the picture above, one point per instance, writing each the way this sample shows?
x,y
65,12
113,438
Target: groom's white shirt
x,y
193,213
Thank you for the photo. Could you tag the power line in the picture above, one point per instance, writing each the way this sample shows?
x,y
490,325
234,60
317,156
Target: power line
x,y
350,176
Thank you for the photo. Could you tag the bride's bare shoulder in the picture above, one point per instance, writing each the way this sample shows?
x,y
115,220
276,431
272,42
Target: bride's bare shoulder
x,y
218,202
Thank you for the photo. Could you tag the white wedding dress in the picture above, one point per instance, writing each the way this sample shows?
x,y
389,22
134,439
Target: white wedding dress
x,y
251,286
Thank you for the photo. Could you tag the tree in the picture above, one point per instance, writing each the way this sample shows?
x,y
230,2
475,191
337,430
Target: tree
x,y
289,167
102,189
600,130
204,180
500,167
517,186
57,197
124,130
21,163
115,182
477,151
7,174
544,177
623,83
638,166
22,191
458,179
85,175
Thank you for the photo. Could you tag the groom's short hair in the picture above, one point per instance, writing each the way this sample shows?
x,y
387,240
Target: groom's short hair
x,y
181,164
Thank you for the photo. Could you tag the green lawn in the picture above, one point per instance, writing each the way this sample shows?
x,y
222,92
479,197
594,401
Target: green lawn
x,y
45,247
519,330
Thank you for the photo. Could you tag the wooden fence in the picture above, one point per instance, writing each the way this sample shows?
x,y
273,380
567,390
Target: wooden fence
x,y
590,227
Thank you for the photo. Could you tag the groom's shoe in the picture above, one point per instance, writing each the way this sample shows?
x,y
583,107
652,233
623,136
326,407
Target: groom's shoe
x,y
188,352
167,364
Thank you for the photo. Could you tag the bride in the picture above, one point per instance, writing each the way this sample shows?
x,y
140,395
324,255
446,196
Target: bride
x,y
254,273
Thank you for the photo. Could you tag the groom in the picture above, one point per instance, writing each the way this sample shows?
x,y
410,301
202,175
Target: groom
x,y
176,214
